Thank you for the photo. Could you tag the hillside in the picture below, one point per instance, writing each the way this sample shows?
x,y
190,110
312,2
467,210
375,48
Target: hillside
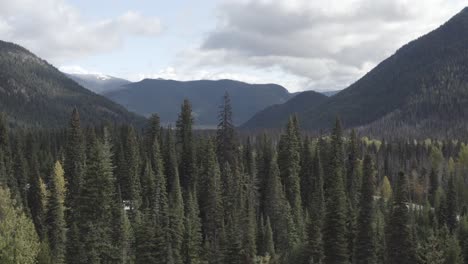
x,y
98,83
279,113
422,89
34,93
165,97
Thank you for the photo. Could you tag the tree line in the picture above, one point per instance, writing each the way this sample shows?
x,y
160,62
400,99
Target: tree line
x,y
115,194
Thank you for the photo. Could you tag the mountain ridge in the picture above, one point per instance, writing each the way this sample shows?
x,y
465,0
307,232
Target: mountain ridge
x,y
35,93
165,96
422,84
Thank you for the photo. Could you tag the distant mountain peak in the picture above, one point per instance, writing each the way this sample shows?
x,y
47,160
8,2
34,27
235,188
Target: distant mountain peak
x,y
98,82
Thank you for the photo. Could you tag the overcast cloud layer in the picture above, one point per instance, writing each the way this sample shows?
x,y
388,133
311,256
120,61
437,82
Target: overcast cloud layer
x,y
300,44
328,44
56,31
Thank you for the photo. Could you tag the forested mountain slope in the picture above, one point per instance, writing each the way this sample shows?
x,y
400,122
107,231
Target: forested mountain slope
x,y
164,96
271,116
422,89
34,93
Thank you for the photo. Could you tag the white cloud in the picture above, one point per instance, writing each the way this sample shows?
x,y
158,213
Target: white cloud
x,y
326,44
76,69
55,30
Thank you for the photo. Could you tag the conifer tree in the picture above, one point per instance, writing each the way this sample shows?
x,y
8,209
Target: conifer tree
x,y
365,239
452,205
170,159
352,175
193,234
95,202
269,244
121,233
176,219
131,188
352,186
317,207
6,174
185,146
433,186
19,242
211,205
289,165
56,215
278,210
307,175
335,242
145,238
74,164
36,198
225,135
20,172
400,247
152,133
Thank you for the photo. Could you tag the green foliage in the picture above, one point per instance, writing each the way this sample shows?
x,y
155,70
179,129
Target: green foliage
x,y
19,242
56,225
365,251
334,236
400,246
36,94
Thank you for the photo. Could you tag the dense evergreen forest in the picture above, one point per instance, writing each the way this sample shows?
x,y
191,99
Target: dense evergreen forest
x,y
115,194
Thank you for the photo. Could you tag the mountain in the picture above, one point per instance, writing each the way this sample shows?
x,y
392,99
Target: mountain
x,y
279,113
330,93
98,83
165,96
422,89
34,93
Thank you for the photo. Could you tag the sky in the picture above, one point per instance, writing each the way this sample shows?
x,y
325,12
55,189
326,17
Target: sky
x,y
301,44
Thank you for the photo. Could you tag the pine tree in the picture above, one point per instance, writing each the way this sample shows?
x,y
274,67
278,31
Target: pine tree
x,y
145,238
36,198
289,165
317,208
131,188
121,233
306,175
278,210
6,174
19,242
176,219
185,145
20,173
433,186
95,202
431,251
211,205
250,204
73,165
365,238
225,135
352,185
56,215
335,242
193,234
269,244
170,159
452,209
400,247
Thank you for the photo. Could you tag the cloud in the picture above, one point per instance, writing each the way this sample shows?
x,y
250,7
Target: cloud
x,y
327,44
55,30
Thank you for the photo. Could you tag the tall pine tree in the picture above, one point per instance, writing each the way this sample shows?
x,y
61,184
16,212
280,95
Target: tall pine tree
x,y
365,239
335,242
